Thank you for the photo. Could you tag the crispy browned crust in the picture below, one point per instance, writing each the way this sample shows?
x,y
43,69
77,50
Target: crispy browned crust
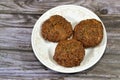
x,y
56,28
69,53
89,32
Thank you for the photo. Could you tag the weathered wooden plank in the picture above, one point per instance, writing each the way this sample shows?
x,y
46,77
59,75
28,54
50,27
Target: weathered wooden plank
x,y
110,20
29,78
40,6
18,20
57,78
25,59
27,20
90,78
19,63
61,78
19,39
15,38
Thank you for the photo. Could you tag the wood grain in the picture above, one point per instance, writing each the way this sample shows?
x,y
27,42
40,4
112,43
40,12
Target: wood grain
x,y
95,78
19,63
20,39
15,38
31,78
18,20
41,6
28,20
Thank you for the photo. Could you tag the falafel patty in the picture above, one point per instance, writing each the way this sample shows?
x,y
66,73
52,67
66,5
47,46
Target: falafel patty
x,y
56,28
69,53
89,32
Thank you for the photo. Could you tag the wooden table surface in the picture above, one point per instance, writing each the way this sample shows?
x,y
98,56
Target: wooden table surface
x,y
17,60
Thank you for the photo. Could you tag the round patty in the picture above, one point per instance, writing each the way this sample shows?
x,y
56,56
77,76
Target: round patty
x,y
89,32
69,53
56,28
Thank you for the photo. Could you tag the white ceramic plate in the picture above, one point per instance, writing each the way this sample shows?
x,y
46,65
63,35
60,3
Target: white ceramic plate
x,y
44,50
